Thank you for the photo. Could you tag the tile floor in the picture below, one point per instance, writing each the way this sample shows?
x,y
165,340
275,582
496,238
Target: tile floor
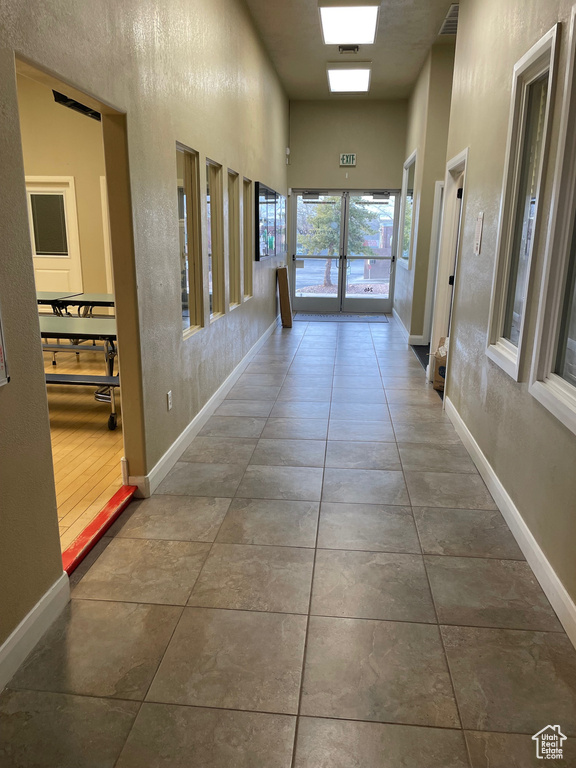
x,y
322,581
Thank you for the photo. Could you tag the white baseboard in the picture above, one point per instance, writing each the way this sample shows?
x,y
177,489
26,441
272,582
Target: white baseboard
x,y
147,484
537,560
418,340
401,325
23,639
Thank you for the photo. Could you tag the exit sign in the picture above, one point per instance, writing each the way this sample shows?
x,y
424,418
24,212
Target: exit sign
x,y
347,159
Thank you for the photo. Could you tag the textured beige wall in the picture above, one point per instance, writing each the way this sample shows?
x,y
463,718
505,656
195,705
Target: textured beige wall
x,y
29,547
415,141
533,454
320,131
59,142
193,72
429,112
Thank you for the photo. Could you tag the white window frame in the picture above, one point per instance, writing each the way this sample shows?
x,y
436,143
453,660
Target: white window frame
x,y
551,390
408,263
538,60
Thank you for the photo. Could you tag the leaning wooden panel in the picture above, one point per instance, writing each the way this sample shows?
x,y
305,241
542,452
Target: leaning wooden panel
x,y
284,292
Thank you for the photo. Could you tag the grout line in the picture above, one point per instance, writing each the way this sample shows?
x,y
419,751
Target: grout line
x,y
306,635
452,685
275,713
327,549
480,627
177,622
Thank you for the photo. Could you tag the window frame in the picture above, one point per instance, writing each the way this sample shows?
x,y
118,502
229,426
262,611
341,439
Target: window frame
x,y
191,182
541,58
247,239
546,386
214,181
35,224
234,276
407,263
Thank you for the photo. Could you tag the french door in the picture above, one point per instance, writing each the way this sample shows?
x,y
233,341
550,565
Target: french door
x,y
345,251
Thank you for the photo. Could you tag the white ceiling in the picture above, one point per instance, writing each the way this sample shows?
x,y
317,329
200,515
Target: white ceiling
x,y
290,30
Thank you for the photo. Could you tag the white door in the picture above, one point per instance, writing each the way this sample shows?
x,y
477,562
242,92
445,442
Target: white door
x,y
54,233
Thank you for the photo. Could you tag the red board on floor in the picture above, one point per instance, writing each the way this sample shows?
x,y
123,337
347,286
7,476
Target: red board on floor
x,y
91,535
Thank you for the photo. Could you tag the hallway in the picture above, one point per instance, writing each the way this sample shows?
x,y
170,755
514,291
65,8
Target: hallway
x,y
323,580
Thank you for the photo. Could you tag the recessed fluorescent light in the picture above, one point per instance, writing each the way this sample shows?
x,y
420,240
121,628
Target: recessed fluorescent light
x,y
349,25
349,80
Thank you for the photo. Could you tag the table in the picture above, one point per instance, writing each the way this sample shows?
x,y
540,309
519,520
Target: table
x,y
54,299
82,329
61,300
78,329
47,297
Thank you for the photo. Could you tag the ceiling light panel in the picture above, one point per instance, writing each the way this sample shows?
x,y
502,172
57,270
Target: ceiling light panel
x,y
354,25
349,80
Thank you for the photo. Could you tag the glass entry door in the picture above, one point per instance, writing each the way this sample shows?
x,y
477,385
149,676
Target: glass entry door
x,y
370,252
319,244
345,251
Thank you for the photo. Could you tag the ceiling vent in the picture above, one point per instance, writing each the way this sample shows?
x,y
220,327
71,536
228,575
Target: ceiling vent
x,y
348,49
450,24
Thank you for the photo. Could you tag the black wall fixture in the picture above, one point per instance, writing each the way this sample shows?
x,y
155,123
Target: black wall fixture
x,y
66,101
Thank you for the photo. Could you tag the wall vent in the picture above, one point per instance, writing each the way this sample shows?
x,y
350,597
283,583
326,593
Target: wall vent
x,y
450,24
66,101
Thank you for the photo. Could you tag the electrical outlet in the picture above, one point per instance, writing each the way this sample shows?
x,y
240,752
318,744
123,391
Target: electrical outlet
x,y
169,400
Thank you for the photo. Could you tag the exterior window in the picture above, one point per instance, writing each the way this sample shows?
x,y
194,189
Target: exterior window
x,y
234,238
189,235
215,238
406,233
566,351
523,236
553,372
248,245
527,143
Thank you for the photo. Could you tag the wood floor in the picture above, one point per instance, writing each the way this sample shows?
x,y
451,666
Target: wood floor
x,y
86,453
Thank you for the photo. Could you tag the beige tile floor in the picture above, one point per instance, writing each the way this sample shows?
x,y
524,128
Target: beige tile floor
x,y
322,581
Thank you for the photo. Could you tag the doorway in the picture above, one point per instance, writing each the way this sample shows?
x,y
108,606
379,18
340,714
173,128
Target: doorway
x,y
345,251
70,166
449,248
